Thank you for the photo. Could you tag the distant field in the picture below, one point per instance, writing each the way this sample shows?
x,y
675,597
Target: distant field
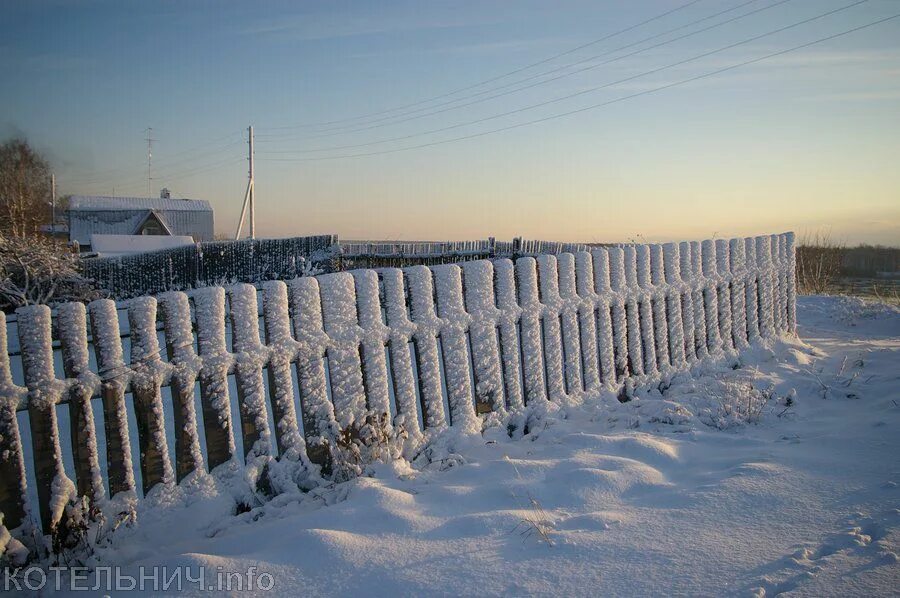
x,y
886,289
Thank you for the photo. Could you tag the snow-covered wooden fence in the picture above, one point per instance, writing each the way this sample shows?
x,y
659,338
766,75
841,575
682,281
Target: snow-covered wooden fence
x,y
211,263
422,347
378,254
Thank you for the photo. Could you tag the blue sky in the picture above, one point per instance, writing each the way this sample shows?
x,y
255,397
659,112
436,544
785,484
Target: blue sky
x,y
804,141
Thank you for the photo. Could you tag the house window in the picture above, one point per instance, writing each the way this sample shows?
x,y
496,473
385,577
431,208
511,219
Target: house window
x,y
152,227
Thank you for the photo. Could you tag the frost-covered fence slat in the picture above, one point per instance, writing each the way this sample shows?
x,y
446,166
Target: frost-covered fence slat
x,y
420,287
587,308
401,360
510,354
766,300
12,461
551,327
790,276
72,327
738,272
454,345
319,425
624,321
209,306
249,359
481,306
711,298
375,336
569,305
148,373
282,349
344,334
114,376
674,301
723,293
450,343
751,290
44,392
530,331
176,313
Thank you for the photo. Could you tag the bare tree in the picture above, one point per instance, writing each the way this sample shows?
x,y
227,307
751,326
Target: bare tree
x,y
39,270
819,263
24,189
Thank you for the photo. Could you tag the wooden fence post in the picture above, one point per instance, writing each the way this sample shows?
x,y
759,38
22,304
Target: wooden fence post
x,y
481,306
420,287
72,327
319,424
588,305
454,346
176,313
114,374
53,487
283,352
510,353
148,373
250,357
209,306
569,305
534,373
12,462
673,302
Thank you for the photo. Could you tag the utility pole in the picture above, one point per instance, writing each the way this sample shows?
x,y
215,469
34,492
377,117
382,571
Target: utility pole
x,y
150,141
52,204
250,196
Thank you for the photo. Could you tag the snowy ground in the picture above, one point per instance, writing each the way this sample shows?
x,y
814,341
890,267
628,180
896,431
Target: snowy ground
x,y
675,494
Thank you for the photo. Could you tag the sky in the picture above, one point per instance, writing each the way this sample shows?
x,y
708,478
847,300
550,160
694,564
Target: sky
x,y
415,120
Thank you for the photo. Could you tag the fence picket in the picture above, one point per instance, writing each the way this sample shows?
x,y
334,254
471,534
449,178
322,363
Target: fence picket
x,y
319,424
12,461
420,287
114,376
401,334
176,313
554,357
530,331
481,306
282,349
507,303
588,302
209,304
72,327
249,359
148,372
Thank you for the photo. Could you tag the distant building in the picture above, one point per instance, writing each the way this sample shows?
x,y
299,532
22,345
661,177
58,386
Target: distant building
x,y
90,215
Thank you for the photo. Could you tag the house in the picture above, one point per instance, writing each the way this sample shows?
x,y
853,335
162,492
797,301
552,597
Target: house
x,y
90,215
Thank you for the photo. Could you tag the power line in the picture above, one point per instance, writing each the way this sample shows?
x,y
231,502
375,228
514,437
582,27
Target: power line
x,y
595,89
349,146
602,104
345,129
498,77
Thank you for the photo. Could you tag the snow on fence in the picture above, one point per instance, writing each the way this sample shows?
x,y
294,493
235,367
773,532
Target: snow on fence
x,y
211,263
364,254
206,379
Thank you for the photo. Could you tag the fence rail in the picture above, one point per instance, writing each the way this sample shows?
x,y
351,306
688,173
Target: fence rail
x,y
422,347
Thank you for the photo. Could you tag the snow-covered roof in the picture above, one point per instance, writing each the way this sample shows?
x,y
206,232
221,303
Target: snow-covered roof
x,y
112,245
100,203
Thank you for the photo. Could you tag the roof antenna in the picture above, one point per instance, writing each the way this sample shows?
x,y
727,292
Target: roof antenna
x,y
150,141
